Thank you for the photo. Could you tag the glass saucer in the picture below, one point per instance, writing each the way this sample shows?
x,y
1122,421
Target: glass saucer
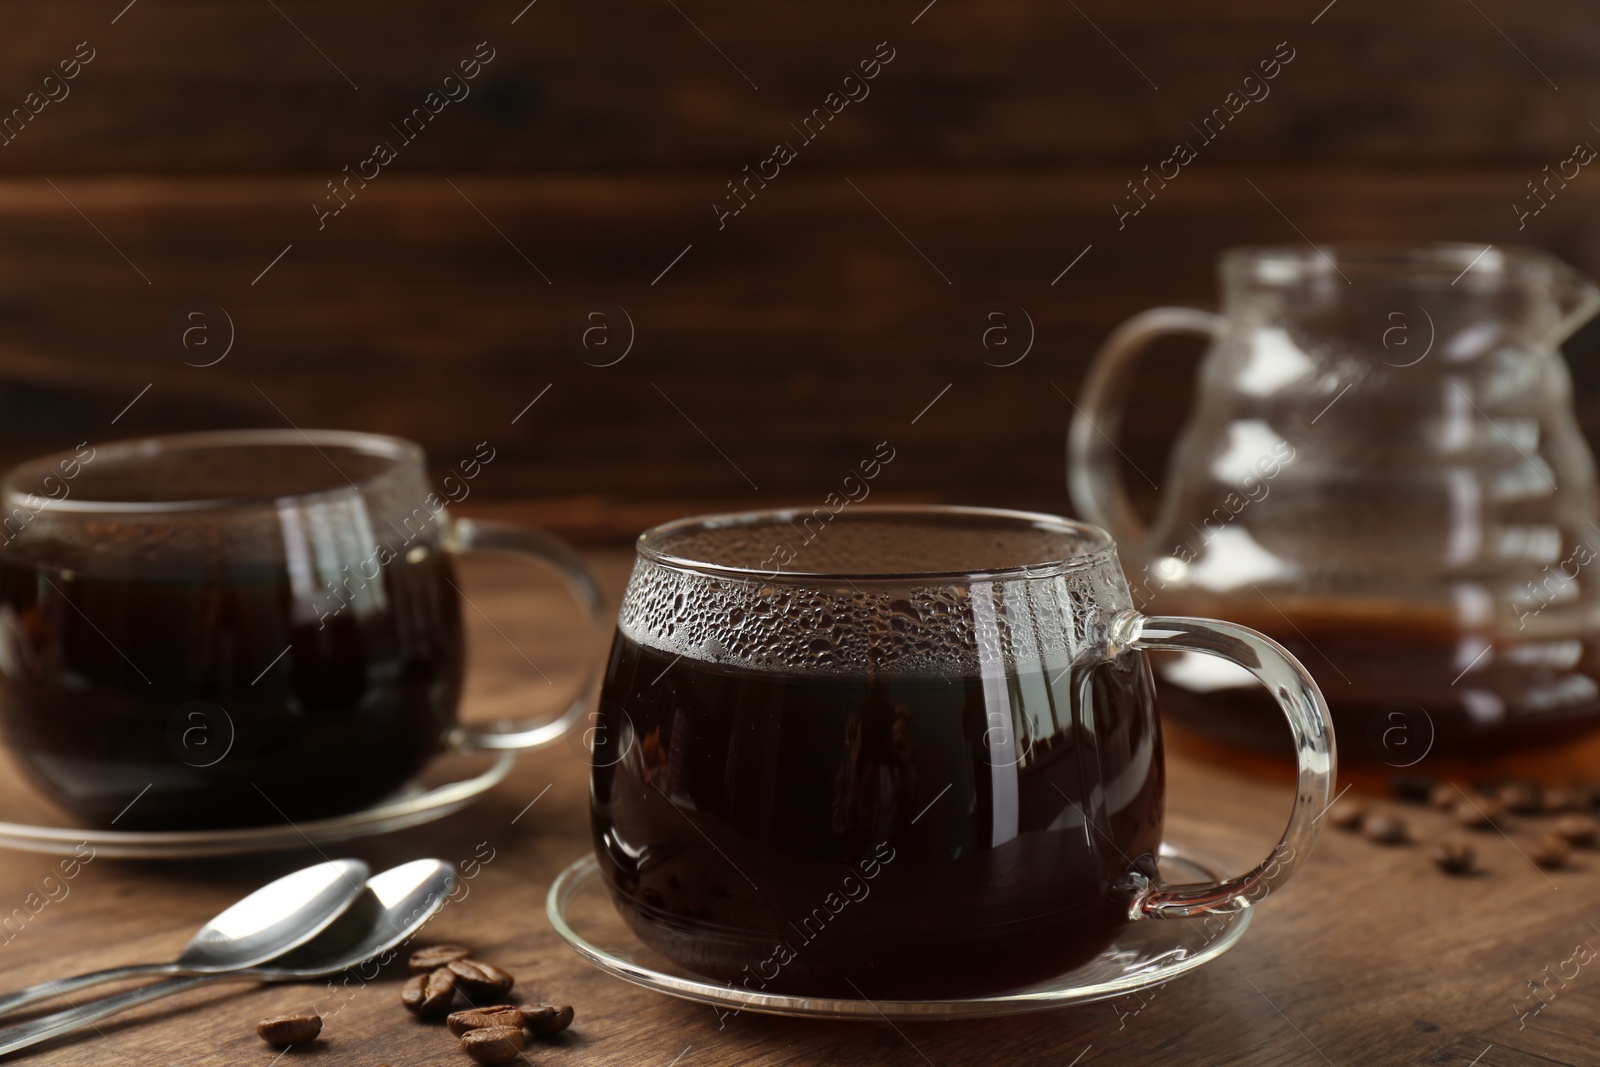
x,y
1144,954
448,784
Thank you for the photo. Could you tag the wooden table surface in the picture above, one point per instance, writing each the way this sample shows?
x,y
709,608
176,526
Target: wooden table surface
x,y
1369,956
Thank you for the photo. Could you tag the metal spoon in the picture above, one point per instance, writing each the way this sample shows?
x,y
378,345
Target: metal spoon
x,y
394,907
264,925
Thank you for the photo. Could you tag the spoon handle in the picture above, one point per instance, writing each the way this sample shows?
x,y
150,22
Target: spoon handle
x,y
34,1031
62,987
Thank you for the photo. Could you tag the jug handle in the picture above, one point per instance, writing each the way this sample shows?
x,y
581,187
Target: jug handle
x,y
1092,479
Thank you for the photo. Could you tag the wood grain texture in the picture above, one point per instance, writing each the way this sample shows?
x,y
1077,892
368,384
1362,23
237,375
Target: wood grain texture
x,y
769,360
773,349
185,85
1368,957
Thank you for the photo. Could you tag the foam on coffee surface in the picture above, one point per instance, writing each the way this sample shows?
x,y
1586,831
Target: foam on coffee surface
x,y
868,609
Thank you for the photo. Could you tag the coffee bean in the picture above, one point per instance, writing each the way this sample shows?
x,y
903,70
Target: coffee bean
x,y
1385,829
1347,814
435,956
1578,829
1479,813
479,980
1559,800
1444,797
547,1020
1550,851
479,1018
1522,798
429,995
494,1044
1412,788
1455,856
289,1029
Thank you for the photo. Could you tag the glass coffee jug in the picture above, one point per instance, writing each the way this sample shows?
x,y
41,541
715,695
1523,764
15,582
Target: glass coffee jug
x,y
1384,473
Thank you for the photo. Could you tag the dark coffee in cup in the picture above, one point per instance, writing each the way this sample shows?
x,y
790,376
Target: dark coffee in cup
x,y
800,832
207,685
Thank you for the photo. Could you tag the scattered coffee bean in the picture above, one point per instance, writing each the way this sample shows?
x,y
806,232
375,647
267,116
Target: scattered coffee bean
x,y
1347,814
289,1029
479,980
1521,798
1412,788
493,1044
1455,856
1479,813
1578,829
547,1020
1556,801
1385,829
1444,797
435,956
1550,851
480,1018
429,995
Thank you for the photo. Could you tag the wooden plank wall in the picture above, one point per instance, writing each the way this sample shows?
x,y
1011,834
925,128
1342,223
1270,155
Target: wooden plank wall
x,y
772,349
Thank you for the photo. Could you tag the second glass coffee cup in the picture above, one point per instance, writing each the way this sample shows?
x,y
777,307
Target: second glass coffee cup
x,y
243,627
902,752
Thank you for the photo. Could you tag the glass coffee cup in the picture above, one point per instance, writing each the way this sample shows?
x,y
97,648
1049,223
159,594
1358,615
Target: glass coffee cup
x,y
244,627
901,752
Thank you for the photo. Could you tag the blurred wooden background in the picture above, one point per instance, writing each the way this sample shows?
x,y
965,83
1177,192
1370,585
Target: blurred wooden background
x,y
185,156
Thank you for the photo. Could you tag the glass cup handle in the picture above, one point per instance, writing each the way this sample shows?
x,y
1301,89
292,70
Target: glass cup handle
x,y
1092,452
1307,712
473,535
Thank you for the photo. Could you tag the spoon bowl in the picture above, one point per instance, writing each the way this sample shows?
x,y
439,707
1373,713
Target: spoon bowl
x,y
276,918
393,907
